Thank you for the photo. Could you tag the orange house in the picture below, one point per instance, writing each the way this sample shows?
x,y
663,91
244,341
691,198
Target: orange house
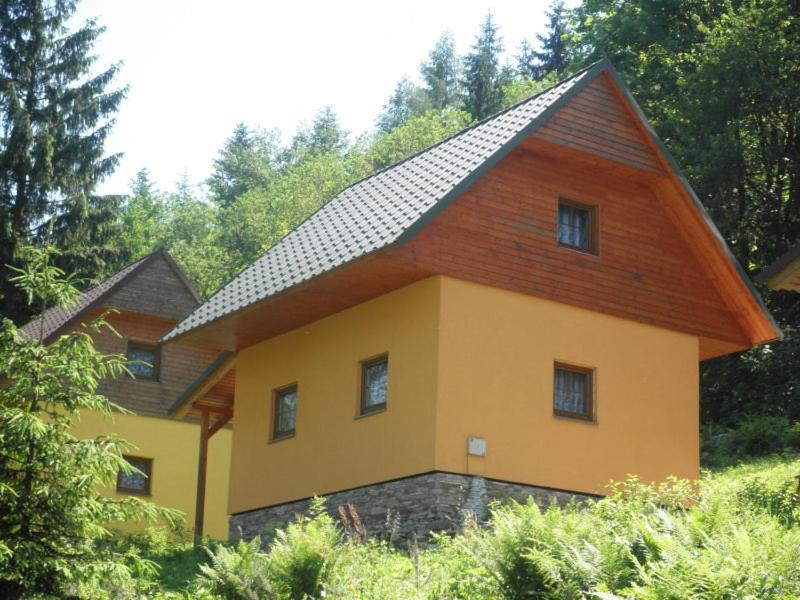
x,y
519,310
148,298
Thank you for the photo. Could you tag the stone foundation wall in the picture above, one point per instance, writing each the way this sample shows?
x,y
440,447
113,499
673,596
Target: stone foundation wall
x,y
406,509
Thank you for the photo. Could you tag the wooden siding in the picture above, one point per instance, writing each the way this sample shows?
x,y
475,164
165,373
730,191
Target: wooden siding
x,y
180,364
155,290
596,122
502,233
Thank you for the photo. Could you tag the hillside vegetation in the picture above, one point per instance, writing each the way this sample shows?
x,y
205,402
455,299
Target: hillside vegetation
x,y
737,536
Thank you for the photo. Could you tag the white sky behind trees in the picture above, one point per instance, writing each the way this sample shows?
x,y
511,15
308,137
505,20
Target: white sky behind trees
x,y
196,68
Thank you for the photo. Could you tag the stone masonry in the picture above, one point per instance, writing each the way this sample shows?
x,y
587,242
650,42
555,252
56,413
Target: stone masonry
x,y
406,509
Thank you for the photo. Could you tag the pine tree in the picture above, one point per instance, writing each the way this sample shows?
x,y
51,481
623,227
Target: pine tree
x,y
441,74
554,55
527,62
406,102
246,162
55,115
482,78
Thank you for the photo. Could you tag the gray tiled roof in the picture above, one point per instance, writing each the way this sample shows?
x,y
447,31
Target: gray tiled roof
x,y
379,210
56,317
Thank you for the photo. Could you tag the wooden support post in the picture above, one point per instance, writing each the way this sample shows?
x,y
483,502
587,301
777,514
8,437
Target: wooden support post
x,y
201,478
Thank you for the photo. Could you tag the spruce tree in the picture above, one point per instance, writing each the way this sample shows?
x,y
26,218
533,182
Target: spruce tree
x,y
246,162
55,113
483,76
441,73
554,55
406,102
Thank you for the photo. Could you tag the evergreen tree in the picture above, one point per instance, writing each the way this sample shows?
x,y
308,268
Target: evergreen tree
x,y
52,513
55,115
554,54
441,74
406,102
528,63
246,161
483,75
324,136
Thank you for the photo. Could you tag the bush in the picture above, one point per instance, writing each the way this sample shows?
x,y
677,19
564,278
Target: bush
x,y
237,572
753,437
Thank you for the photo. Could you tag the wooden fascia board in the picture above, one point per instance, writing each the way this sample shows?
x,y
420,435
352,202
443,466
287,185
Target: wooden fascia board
x,y
224,362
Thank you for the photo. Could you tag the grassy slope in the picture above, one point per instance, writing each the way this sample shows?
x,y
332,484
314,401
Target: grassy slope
x,y
740,540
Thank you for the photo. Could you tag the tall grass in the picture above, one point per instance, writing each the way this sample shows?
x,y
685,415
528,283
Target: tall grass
x,y
738,536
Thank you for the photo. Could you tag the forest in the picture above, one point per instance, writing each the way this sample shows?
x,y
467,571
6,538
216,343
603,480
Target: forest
x,y
720,83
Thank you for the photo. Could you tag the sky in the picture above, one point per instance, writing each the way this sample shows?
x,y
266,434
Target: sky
x,y
197,68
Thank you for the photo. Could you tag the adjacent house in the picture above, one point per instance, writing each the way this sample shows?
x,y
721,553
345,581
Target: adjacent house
x,y
149,297
784,273
519,310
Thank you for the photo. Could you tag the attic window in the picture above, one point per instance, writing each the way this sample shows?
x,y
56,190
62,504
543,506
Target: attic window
x,y
143,360
577,226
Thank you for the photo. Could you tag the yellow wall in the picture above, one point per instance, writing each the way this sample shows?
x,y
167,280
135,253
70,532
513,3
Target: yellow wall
x,y
173,446
496,356
464,360
332,449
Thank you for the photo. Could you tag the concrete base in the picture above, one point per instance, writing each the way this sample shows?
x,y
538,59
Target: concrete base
x,y
406,509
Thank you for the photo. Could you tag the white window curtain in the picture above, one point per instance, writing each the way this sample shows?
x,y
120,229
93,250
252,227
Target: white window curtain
x,y
571,391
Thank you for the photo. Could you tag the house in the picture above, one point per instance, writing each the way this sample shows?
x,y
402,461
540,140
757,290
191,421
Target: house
x,y
149,297
784,273
519,310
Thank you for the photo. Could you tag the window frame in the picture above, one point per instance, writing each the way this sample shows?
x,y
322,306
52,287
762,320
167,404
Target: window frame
x,y
155,349
364,409
592,247
589,414
121,489
277,393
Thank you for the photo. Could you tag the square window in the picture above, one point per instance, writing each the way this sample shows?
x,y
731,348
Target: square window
x,y
136,482
573,392
143,360
374,383
577,226
285,413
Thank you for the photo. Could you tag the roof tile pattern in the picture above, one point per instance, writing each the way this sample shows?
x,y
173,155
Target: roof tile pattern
x,y
57,316
374,212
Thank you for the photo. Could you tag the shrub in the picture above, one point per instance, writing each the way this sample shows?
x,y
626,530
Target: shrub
x,y
303,554
238,572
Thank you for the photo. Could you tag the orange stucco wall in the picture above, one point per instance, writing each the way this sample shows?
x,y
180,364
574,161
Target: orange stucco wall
x,y
173,447
496,358
332,449
464,359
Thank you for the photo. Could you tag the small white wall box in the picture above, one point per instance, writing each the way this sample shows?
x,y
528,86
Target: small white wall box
x,y
476,446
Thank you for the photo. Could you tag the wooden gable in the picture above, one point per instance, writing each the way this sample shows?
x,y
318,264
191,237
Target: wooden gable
x,y
157,289
596,121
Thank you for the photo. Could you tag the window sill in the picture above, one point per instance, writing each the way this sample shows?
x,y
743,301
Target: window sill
x,y
371,412
582,251
281,438
127,492
589,420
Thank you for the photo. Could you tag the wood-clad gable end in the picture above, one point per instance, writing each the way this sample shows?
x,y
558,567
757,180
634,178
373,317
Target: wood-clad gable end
x,y
596,122
157,289
502,231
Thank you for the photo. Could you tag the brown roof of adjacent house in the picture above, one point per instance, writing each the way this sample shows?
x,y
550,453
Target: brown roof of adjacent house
x,y
57,318
392,205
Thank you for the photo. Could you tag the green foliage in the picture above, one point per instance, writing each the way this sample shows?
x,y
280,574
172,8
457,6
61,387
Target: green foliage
x,y
303,554
483,76
238,572
51,514
56,112
441,74
755,436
